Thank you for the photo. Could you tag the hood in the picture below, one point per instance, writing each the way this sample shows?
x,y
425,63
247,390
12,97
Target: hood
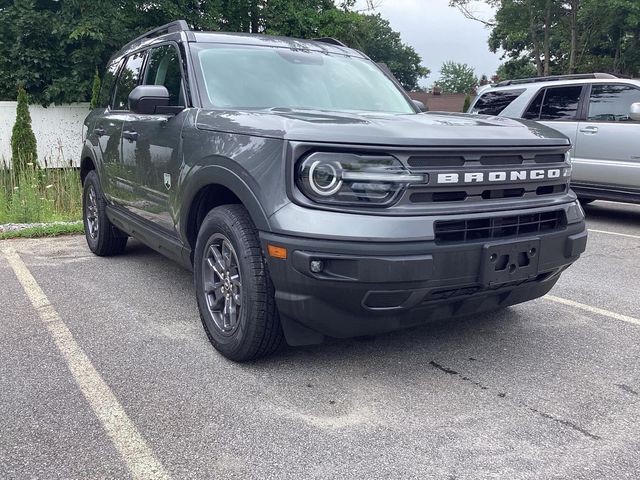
x,y
424,130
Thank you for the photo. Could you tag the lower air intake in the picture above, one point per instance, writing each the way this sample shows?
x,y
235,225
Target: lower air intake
x,y
459,231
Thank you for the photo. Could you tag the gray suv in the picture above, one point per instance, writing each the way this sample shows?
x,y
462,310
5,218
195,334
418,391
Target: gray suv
x,y
310,196
599,112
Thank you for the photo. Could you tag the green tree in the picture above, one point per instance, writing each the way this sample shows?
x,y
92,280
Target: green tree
x,y
516,68
23,141
378,40
457,78
564,36
53,46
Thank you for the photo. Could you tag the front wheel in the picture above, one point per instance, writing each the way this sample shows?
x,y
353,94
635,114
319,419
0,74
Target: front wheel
x,y
233,288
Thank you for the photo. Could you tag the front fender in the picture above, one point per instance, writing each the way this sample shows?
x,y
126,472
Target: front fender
x,y
201,176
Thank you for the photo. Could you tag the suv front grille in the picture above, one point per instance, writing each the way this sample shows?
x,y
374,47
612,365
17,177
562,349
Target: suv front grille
x,y
460,231
445,160
470,170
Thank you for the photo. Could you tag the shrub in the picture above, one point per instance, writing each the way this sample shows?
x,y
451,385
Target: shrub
x,y
467,103
95,90
23,141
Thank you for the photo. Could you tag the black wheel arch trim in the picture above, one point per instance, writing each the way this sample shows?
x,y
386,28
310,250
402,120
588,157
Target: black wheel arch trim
x,y
222,176
88,153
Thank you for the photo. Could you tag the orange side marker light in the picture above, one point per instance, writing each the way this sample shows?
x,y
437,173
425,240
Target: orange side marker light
x,y
277,252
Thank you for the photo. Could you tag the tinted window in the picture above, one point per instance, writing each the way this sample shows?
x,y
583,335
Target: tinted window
x,y
612,103
164,69
561,103
262,78
493,103
533,112
107,83
127,81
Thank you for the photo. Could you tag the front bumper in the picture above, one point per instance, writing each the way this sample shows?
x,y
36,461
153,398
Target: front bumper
x,y
373,287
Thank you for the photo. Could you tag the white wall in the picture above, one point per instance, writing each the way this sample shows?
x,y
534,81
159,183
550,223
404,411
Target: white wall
x,y
58,131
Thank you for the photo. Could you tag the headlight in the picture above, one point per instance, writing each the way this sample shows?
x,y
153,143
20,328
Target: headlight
x,y
351,179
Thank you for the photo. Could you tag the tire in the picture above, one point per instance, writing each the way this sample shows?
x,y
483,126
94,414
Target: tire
x,y
102,237
233,288
586,201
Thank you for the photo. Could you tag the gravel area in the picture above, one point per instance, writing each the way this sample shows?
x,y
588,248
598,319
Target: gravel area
x,y
12,227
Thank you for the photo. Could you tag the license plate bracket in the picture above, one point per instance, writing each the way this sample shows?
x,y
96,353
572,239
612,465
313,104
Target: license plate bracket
x,y
509,261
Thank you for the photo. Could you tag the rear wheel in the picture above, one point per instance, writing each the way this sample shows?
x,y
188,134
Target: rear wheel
x,y
102,237
233,288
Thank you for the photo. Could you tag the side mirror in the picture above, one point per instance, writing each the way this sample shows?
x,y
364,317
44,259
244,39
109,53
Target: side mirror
x,y
421,106
634,112
148,99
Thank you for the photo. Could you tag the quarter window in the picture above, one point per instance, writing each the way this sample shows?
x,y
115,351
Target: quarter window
x,y
164,69
612,103
127,81
493,103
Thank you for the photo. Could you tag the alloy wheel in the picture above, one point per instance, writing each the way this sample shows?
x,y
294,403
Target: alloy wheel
x,y
222,284
93,221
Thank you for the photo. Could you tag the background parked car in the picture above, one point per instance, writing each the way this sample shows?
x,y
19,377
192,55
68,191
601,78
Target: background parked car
x,y
599,112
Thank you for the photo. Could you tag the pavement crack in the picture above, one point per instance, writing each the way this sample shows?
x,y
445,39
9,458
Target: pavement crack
x,y
444,369
454,373
626,388
561,421
564,422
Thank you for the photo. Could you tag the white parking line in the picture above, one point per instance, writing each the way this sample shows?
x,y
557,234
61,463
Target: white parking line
x,y
596,310
135,452
614,233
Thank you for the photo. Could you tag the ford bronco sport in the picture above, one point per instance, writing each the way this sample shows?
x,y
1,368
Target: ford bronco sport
x,y
311,197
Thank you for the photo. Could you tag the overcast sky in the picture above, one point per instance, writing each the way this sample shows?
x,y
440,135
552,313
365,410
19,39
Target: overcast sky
x,y
440,33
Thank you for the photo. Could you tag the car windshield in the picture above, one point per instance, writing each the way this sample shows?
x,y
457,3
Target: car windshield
x,y
248,77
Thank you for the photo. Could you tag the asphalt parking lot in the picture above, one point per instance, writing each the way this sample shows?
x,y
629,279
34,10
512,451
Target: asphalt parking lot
x,y
106,372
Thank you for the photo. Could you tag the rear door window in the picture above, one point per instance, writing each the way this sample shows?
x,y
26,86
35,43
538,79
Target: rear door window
x,y
555,103
612,103
533,112
561,103
493,103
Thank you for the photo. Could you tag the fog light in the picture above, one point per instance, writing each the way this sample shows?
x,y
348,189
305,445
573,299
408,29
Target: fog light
x,y
316,266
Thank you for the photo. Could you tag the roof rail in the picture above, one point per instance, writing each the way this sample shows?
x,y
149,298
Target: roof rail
x,y
577,76
177,26
330,41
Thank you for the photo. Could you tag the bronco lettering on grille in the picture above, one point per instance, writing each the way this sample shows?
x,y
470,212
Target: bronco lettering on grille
x,y
501,176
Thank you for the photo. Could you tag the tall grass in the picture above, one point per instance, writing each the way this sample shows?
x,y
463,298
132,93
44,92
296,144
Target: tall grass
x,y
39,195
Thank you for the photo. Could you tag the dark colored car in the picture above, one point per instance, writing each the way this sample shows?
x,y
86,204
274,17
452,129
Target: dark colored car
x,y
311,197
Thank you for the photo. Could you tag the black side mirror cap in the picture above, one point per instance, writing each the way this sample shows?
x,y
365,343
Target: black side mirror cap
x,y
420,106
148,99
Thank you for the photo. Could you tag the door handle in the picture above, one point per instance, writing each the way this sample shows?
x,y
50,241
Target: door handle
x,y
99,131
589,130
130,135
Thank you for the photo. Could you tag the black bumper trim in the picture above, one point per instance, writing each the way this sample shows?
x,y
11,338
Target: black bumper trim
x,y
369,287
